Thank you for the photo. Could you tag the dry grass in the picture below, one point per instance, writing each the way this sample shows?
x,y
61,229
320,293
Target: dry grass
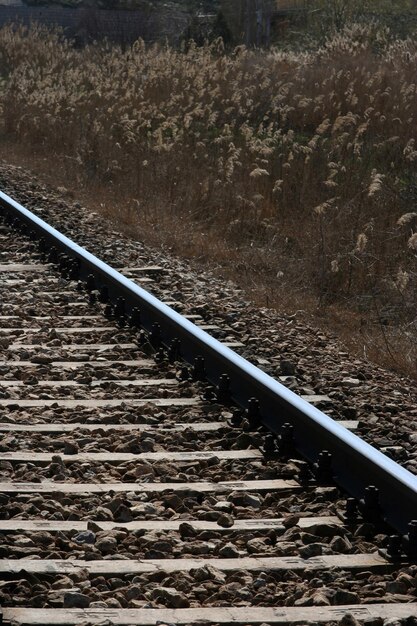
x,y
299,169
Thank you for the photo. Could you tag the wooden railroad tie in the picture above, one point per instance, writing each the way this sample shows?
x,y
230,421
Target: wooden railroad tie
x,y
280,616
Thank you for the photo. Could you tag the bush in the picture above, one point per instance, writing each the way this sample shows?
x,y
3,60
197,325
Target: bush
x,y
309,157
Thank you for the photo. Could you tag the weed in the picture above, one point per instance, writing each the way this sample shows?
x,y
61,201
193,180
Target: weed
x,y
307,157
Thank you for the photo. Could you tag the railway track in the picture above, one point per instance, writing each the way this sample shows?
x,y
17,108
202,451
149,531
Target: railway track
x,y
149,475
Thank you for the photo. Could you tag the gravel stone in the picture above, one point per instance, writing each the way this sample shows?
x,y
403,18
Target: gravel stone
x,y
383,402
320,599
324,530
75,600
122,514
343,596
224,505
349,620
106,545
229,551
287,368
208,572
86,536
340,544
171,597
255,546
187,530
133,592
70,447
225,520
313,549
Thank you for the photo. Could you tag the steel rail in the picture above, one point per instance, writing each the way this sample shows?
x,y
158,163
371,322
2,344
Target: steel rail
x,y
355,464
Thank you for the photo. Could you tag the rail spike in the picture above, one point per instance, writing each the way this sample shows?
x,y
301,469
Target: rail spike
x,y
369,506
411,540
135,318
104,294
286,441
90,283
155,335
323,468
174,350
253,414
199,368
223,389
119,311
53,255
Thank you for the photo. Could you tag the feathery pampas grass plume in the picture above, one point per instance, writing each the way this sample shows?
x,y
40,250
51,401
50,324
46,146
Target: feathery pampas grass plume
x,y
258,172
376,183
361,242
406,219
402,280
288,152
412,242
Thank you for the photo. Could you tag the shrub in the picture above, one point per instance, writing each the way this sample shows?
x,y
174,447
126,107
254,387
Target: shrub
x,y
309,157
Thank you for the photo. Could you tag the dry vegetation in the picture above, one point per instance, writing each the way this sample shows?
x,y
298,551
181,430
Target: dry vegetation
x,y
302,165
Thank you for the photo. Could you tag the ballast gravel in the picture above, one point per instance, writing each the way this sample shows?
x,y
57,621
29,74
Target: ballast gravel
x,y
310,361
383,402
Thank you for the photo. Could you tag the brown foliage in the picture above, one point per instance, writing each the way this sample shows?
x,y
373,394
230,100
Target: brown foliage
x,y
309,158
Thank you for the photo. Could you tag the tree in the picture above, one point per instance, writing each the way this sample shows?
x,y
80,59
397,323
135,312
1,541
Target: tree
x,y
335,14
249,21
221,29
